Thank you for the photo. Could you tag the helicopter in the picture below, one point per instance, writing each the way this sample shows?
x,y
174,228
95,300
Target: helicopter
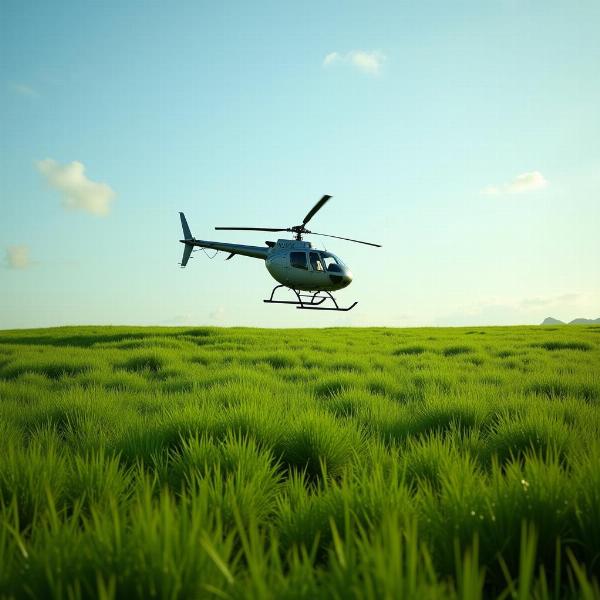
x,y
294,263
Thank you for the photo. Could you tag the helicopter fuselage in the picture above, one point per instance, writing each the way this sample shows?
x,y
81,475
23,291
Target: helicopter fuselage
x,y
297,265
293,263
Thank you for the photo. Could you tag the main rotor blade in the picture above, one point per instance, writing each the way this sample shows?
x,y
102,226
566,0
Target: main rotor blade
x,y
317,207
337,237
250,229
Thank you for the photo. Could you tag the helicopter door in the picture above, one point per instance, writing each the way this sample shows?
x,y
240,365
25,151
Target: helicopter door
x,y
316,263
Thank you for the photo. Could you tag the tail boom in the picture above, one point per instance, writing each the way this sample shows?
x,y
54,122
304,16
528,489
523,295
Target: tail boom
x,y
251,251
190,241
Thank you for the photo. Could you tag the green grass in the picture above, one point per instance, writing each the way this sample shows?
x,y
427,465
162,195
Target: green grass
x,y
334,463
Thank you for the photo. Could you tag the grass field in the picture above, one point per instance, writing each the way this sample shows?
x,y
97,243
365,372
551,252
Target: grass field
x,y
338,463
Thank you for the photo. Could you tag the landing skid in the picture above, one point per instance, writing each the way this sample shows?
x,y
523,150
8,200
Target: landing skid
x,y
312,302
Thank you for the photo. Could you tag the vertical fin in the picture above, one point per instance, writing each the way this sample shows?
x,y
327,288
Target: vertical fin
x,y
187,234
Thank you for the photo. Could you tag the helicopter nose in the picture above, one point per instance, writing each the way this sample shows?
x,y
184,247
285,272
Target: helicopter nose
x,y
347,277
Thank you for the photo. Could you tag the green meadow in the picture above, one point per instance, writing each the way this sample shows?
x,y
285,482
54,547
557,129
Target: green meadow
x,y
328,463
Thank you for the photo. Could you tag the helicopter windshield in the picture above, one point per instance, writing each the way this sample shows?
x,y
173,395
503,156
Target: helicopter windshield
x,y
332,262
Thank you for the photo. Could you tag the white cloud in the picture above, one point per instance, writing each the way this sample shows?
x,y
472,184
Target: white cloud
x,y
22,89
491,190
331,59
218,314
367,62
79,192
526,182
17,257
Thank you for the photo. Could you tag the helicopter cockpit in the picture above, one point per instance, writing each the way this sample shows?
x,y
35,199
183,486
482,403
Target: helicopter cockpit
x,y
319,261
332,263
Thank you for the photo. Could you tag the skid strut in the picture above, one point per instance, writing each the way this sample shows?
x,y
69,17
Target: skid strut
x,y
312,302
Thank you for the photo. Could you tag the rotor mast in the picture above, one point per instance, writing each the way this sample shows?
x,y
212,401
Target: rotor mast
x,y
298,230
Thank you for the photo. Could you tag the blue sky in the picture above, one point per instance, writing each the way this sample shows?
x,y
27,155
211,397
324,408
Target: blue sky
x,y
464,137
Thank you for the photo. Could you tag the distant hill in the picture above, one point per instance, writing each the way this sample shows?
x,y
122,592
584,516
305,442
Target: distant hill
x,y
580,321
585,322
552,321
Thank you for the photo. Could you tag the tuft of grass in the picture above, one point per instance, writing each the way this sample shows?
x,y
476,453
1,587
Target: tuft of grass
x,y
514,437
33,479
456,350
318,446
415,350
152,362
564,345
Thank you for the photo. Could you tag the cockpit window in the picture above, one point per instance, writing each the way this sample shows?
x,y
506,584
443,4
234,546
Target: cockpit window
x,y
315,262
298,260
332,263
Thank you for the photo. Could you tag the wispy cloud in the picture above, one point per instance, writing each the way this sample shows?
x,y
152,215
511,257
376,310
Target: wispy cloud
x,y
218,314
181,319
515,311
526,182
22,89
17,257
549,301
367,62
79,192
331,59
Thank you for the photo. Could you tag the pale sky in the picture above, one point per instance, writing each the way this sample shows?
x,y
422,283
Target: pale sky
x,y
464,137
